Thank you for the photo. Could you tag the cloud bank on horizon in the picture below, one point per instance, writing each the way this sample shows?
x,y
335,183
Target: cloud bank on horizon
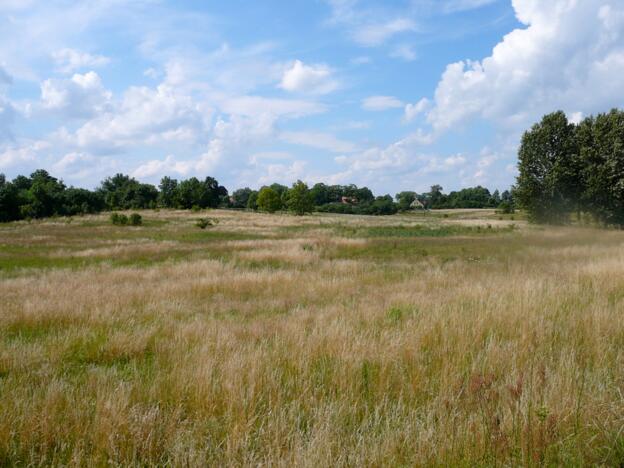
x,y
394,95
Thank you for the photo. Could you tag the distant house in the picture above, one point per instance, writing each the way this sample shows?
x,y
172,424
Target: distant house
x,y
348,200
417,205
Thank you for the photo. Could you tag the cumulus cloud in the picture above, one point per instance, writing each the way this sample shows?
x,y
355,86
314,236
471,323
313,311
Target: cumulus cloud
x,y
381,103
69,60
313,79
81,96
567,57
413,110
144,115
26,153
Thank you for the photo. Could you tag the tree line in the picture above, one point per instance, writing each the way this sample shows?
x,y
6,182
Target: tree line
x,y
41,195
568,169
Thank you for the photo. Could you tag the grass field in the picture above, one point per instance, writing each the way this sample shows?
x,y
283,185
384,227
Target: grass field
x,y
454,338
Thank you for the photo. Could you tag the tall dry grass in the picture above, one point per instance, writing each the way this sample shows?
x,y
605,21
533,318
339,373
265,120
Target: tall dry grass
x,y
308,348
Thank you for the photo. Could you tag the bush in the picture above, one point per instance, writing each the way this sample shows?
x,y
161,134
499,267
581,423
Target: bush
x,y
136,219
506,207
119,219
203,223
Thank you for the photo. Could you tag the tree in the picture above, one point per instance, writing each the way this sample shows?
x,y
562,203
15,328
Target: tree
x,y
124,192
435,198
44,197
81,201
269,200
9,201
549,182
601,141
167,197
240,197
495,200
252,201
320,194
405,200
299,199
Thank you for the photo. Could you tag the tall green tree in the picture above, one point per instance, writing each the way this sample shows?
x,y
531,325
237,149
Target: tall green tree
x,y
269,200
167,196
549,183
601,141
9,200
299,199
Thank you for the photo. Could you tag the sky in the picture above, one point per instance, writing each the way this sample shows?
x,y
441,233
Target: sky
x,y
395,94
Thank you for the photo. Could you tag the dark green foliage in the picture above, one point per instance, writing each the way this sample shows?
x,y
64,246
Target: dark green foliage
x,y
549,182
168,196
567,168
299,199
405,200
9,200
601,142
82,201
252,201
506,207
269,200
135,219
118,219
240,197
204,194
121,192
203,223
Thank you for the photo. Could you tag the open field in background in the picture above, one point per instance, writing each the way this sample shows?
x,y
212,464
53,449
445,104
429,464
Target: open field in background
x,y
325,340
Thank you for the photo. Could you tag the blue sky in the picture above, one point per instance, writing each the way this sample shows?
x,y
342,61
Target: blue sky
x,y
396,95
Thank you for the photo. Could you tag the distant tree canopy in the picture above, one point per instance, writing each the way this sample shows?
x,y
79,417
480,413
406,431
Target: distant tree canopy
x,y
42,195
566,168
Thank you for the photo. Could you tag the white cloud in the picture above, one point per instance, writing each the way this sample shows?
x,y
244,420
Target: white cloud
x,y
69,60
312,79
81,96
413,110
378,33
282,173
320,140
569,56
83,166
404,52
26,153
167,166
143,116
252,106
381,103
369,27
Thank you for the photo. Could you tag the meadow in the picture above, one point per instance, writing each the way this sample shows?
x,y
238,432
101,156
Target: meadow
x,y
453,338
